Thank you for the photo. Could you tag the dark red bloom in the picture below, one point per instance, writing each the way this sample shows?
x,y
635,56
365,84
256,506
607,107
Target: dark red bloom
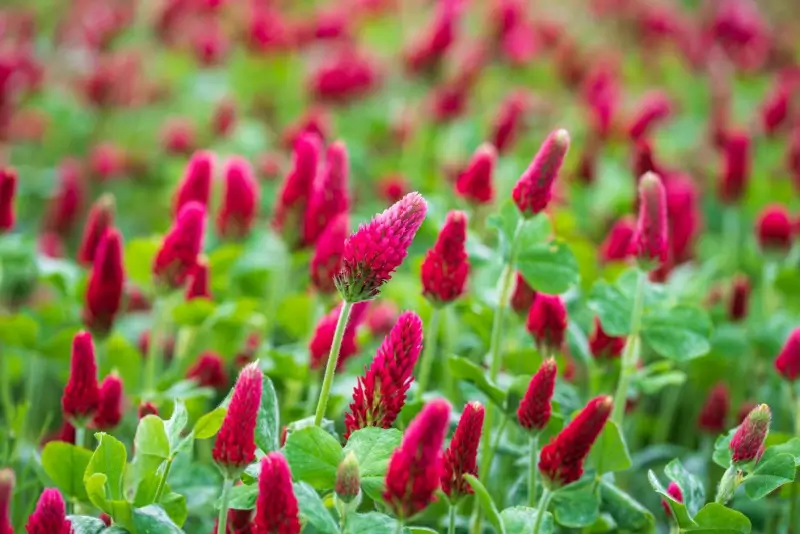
x,y
535,187
510,121
62,210
107,161
106,283
740,295
461,457
683,217
650,240
675,492
535,407
652,109
377,248
603,346
109,410
344,75
327,258
741,30
644,159
7,481
715,410
198,282
321,341
774,229
748,441
314,120
8,191
145,409
178,136
81,394
101,217
381,317
50,516
224,120
788,361
329,196
392,188
239,201
446,266
181,246
775,109
348,480
380,394
547,322
561,460
523,296
291,205
416,466
209,371
793,156
448,101
276,507
195,185
736,163
617,244
428,52
235,447
475,183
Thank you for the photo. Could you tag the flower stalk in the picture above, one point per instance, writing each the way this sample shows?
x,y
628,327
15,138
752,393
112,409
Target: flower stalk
x,y
222,522
541,508
534,452
333,359
630,355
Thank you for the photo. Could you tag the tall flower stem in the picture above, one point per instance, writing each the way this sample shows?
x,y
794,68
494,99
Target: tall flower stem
x,y
154,347
333,359
431,344
163,481
541,508
80,434
451,529
532,469
222,522
630,354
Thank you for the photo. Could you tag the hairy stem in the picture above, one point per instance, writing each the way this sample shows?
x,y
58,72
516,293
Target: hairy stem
x,y
532,469
541,508
451,529
333,359
631,353
222,522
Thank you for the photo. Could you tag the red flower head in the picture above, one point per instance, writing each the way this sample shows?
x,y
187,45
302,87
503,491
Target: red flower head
x,y
715,410
416,466
603,346
321,342
181,246
748,442
381,317
547,322
50,516
195,185
315,120
446,266
198,282
561,460
774,229
475,183
392,188
428,52
327,258
775,109
344,75
534,409
6,491
209,44
276,506
509,121
101,217
740,296
50,244
448,101
109,410
644,160
224,119
329,197
235,447
81,394
652,109
618,242
788,361
8,191
239,522
239,201
534,188
675,492
106,283
650,240
62,210
684,217
178,136
209,371
107,161
736,164
381,393
461,457
793,156
145,409
377,248
293,200
523,296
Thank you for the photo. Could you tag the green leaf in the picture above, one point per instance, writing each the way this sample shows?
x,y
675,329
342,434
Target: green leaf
x,y
242,497
679,511
610,452
789,447
208,425
629,515
419,530
109,458
612,307
505,221
84,524
18,331
120,510
716,518
722,452
692,488
312,509
174,505
486,502
65,464
313,456
373,447
680,333
151,438
769,476
576,508
550,268
138,259
520,520
175,425
192,312
268,422
370,523
463,369
153,519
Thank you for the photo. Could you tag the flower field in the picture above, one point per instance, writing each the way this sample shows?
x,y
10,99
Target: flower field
x,y
399,267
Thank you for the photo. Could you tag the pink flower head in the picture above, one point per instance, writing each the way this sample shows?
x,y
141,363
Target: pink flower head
x,y
650,239
715,410
81,394
106,283
535,407
675,492
8,191
644,160
224,120
195,185
109,411
774,229
652,109
547,322
7,481
101,217
561,460
736,164
276,506
145,409
683,217
602,346
416,466
788,361
523,296
198,281
294,196
428,52
475,183
393,187
617,244
329,196
181,246
321,341
775,109
50,515
381,317
315,120
50,244
235,447
344,75
178,136
461,457
377,248
107,161
446,266
535,187
381,393
510,121
748,442
239,201
62,210
209,371
740,296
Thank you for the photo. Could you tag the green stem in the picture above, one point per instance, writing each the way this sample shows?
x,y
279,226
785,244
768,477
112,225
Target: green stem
x,y
544,504
451,529
532,469
222,523
154,348
671,399
399,529
767,280
489,458
5,390
731,235
631,353
794,497
429,353
333,359
80,435
163,482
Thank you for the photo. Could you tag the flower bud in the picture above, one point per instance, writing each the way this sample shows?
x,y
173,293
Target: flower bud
x,y
101,217
475,184
788,361
50,515
535,187
748,442
774,229
650,239
675,492
715,410
348,481
535,407
547,323
8,191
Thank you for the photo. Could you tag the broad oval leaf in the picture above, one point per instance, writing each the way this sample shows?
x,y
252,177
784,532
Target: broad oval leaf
x,y
628,514
313,456
208,425
313,510
109,458
718,519
151,437
550,268
267,433
84,524
769,476
612,308
520,520
373,447
464,369
65,464
694,493
610,452
370,523
680,333
577,508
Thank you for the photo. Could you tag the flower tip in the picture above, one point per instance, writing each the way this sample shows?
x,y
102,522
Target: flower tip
x,y
648,181
561,138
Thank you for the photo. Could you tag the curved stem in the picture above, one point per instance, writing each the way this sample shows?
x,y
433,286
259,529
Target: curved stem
x,y
154,348
429,353
163,482
532,469
631,353
451,529
541,508
333,359
222,522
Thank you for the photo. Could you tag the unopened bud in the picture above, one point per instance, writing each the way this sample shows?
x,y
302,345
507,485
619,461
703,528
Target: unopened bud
x,y
348,480
748,441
